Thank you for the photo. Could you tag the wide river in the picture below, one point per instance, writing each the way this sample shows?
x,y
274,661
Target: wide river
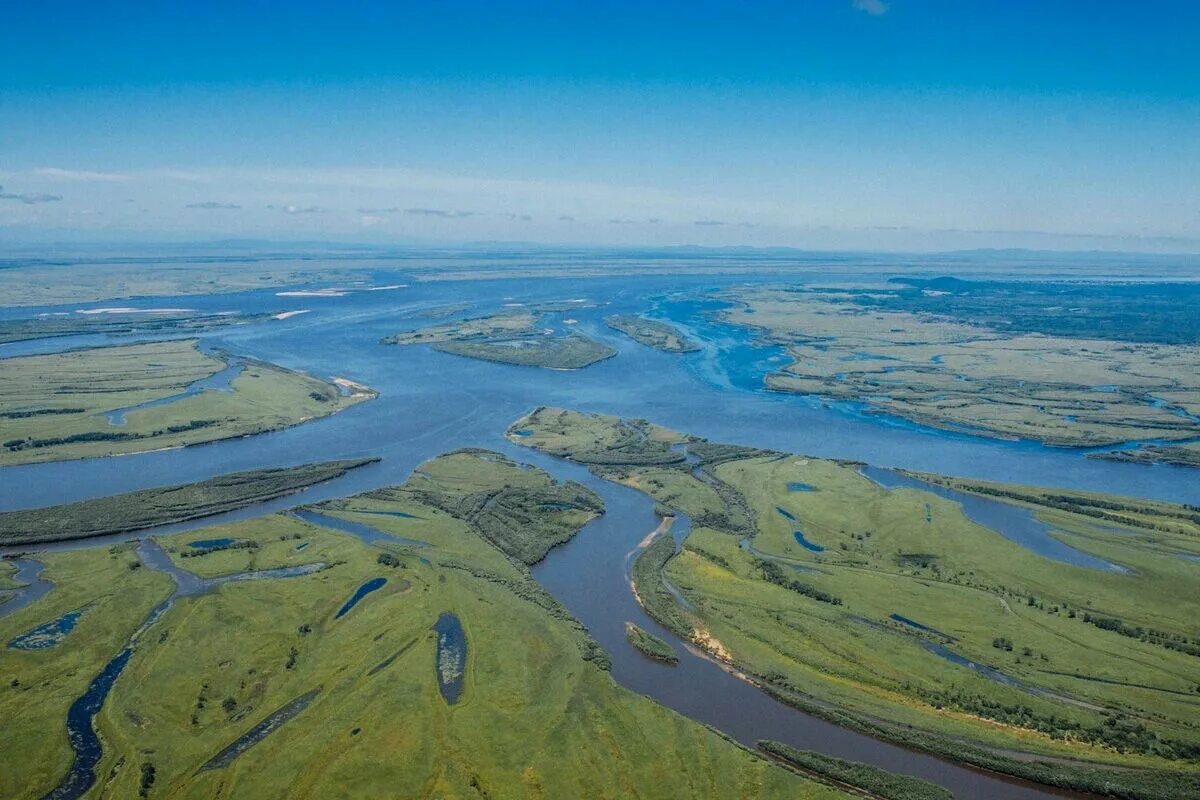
x,y
430,403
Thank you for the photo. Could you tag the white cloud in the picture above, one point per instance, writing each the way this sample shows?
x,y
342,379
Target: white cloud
x,y
439,212
292,209
85,176
875,8
212,205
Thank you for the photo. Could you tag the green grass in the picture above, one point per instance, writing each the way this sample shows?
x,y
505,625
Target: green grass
x,y
520,510
39,685
147,508
876,782
8,572
650,645
1124,698
652,592
53,406
536,718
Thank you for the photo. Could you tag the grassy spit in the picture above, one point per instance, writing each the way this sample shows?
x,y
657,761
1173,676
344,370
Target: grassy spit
x,y
148,508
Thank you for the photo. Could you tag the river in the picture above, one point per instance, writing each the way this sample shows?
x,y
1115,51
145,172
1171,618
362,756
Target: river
x,y
431,402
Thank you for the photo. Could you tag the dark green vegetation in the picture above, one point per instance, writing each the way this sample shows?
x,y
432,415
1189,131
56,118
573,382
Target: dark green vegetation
x,y
650,645
513,337
1163,313
254,690
901,626
651,589
16,330
875,782
148,508
652,333
523,512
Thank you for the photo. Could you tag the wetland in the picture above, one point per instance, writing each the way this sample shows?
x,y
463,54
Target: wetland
x,y
531,541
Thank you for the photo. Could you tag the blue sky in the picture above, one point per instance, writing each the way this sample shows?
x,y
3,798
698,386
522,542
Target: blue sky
x,y
844,124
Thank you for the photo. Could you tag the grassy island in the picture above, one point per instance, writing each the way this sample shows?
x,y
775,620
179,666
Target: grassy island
x,y
650,645
652,333
514,337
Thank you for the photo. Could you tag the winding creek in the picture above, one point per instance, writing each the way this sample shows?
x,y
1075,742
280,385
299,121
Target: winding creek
x,y
432,402
81,717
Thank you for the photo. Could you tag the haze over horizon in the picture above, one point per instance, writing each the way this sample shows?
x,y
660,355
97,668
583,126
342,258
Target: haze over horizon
x,y
847,124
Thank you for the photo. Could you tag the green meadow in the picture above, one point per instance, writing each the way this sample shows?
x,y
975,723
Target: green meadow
x,y
1083,677
539,715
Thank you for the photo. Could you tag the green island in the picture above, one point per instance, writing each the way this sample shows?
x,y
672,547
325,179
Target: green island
x,y
118,321
650,645
892,612
916,361
855,776
510,337
131,398
148,508
652,333
333,681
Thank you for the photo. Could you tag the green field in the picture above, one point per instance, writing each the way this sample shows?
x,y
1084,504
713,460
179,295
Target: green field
x,y
538,716
54,406
1100,670
510,337
165,505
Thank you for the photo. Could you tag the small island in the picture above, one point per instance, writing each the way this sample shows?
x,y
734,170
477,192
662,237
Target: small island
x,y
652,333
650,645
511,337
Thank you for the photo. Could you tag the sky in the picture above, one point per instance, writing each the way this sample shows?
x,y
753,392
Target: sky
x,y
910,125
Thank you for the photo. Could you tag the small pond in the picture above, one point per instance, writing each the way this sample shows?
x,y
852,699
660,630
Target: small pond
x,y
370,586
451,663
47,634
